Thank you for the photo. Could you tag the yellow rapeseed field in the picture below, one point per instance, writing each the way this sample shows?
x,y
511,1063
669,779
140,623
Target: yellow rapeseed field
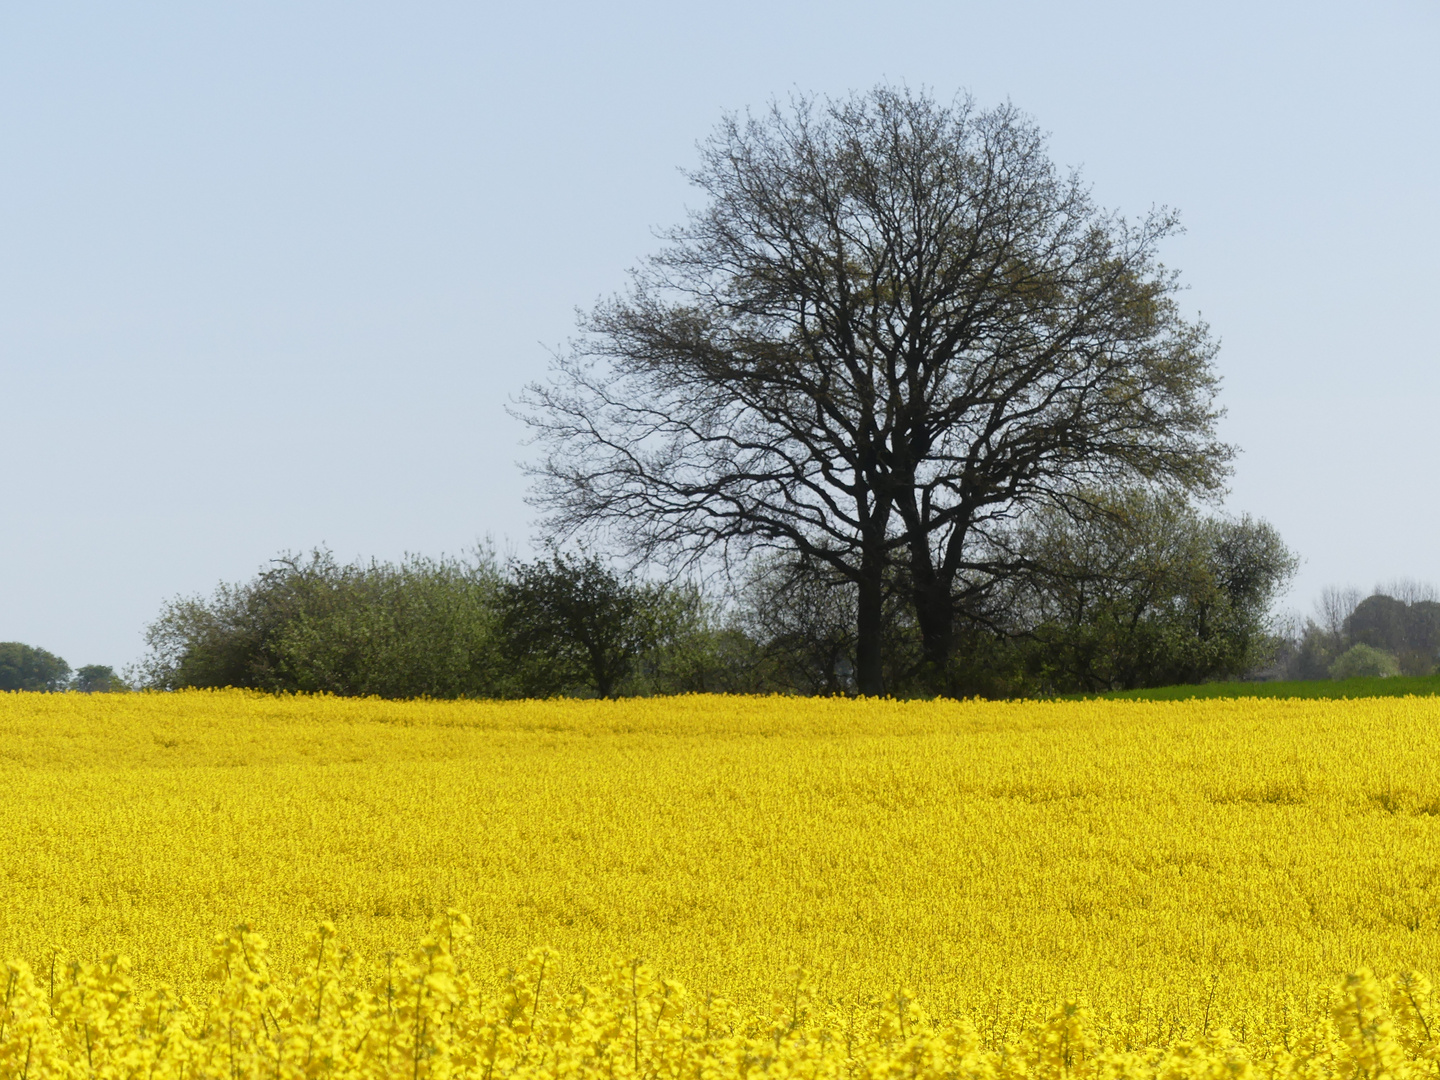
x,y
825,887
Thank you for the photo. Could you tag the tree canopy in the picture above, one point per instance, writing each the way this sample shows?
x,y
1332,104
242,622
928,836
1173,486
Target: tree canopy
x,y
24,667
893,327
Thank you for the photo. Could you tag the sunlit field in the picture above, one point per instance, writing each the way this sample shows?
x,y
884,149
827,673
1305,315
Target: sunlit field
x,y
1185,870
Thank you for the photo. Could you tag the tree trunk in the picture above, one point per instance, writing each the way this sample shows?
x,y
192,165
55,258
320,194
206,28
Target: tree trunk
x,y
935,614
601,671
869,672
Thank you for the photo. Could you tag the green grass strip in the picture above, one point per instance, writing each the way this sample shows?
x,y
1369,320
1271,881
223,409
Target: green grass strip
x,y
1398,686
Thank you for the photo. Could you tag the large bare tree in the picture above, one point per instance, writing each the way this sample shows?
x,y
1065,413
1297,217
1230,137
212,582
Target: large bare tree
x,y
892,326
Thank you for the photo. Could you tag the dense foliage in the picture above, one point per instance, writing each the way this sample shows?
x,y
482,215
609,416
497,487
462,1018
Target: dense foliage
x,y
423,627
572,624
1144,591
24,667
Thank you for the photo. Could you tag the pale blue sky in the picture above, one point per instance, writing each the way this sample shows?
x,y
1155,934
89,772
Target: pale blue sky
x,y
269,272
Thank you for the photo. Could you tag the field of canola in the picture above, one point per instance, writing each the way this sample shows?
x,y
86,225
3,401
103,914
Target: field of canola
x,y
847,889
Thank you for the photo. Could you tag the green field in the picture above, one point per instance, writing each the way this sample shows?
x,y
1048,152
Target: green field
x,y
1398,686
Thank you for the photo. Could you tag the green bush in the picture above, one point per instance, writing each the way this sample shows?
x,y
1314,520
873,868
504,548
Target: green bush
x,y
446,628
424,627
1364,661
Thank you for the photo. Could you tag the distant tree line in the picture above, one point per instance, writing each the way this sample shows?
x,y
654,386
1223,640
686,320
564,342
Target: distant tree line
x,y
1393,631
24,667
1143,591
567,624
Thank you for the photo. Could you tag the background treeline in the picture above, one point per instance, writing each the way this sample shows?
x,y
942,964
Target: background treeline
x,y
1139,591
1393,631
24,667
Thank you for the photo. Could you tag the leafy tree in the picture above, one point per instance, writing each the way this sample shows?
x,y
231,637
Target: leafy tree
x,y
804,621
1140,590
1145,591
1422,638
697,650
1378,621
570,624
801,618
1305,651
24,667
893,327
1410,591
98,679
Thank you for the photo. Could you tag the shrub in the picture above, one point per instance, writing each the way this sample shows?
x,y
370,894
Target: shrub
x,y
423,627
1364,661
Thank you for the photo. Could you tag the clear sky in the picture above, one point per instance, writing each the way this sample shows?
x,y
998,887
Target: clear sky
x,y
269,272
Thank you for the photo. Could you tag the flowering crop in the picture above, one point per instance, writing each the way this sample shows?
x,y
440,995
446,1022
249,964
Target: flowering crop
x,y
1084,880
427,1016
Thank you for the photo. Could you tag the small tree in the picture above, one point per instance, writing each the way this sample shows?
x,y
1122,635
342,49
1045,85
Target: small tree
x,y
24,667
571,623
1145,591
98,679
696,650
1334,608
